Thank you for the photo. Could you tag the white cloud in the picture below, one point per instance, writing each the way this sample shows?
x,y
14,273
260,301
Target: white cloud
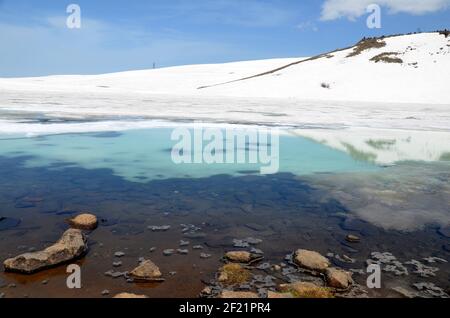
x,y
351,9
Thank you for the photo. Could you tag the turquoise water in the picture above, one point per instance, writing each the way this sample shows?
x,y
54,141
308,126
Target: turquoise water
x,y
143,155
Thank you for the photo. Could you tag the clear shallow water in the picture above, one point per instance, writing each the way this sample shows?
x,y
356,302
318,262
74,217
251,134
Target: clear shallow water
x,y
129,181
142,155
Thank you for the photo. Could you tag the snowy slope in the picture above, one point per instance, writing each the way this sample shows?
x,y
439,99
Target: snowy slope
x,y
334,90
422,77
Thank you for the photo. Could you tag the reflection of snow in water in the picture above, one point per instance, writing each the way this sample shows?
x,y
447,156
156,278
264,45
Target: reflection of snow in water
x,y
406,197
385,146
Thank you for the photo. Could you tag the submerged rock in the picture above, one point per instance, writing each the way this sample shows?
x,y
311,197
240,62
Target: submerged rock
x,y
311,260
338,278
352,238
129,295
275,295
228,294
233,274
146,271
85,221
431,290
114,274
168,252
162,228
70,246
242,257
306,290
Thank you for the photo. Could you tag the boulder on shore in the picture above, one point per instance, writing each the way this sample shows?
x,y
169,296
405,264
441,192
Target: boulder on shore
x,y
70,246
146,271
85,221
311,260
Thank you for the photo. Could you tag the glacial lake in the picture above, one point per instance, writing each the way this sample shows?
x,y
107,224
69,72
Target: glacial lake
x,y
390,188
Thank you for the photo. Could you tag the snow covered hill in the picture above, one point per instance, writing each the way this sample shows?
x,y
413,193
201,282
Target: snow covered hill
x,y
399,82
410,68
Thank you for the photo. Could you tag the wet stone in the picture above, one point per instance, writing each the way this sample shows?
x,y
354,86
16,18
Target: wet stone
x,y
238,295
205,256
352,238
129,295
184,243
119,254
85,221
168,252
430,289
256,251
311,260
71,245
182,251
162,228
264,266
435,260
146,271
115,274
422,270
338,278
117,264
197,247
388,263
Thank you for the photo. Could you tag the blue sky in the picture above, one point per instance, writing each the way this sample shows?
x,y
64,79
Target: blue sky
x,y
118,35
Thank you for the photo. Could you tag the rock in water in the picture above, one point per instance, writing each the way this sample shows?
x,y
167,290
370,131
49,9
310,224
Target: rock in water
x,y
237,295
352,238
274,295
146,271
84,221
128,295
311,260
241,257
306,290
70,246
338,278
233,274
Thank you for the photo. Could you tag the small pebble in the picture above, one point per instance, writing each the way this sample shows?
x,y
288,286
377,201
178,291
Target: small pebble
x,y
159,228
182,251
205,256
2,295
12,285
117,264
172,273
184,243
353,238
45,282
105,292
168,252
197,247
119,254
152,249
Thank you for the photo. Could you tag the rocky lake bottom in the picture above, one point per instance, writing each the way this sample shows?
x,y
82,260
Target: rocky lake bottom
x,y
397,216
